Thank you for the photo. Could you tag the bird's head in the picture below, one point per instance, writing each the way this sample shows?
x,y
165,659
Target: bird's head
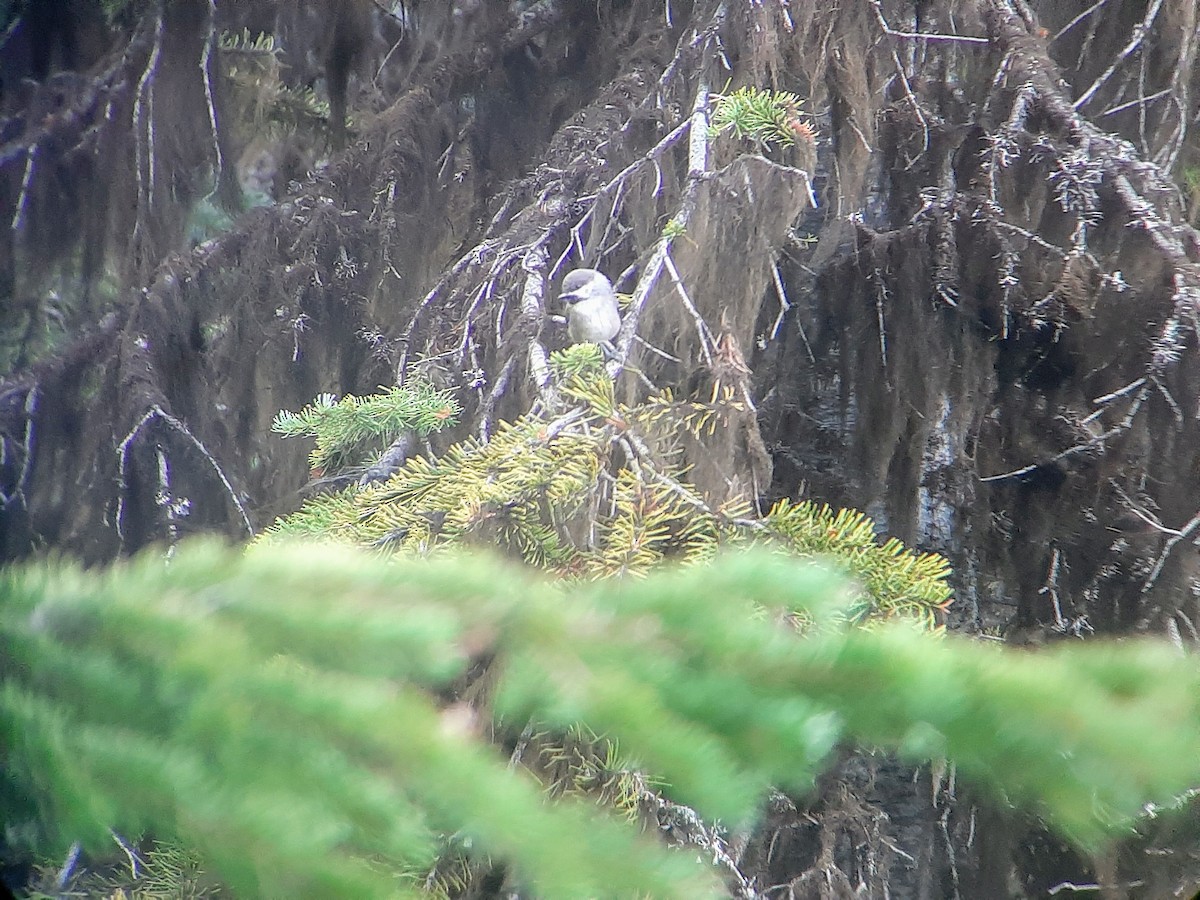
x,y
583,284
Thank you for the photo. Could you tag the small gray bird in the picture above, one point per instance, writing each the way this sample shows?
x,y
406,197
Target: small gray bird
x,y
592,310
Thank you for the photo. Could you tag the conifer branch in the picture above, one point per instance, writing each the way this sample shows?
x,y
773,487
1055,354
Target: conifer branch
x,y
148,699
537,484
350,430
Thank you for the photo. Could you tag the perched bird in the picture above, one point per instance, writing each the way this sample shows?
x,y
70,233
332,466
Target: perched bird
x,y
592,310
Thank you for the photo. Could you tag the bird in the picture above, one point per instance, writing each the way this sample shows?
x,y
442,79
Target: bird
x,y
592,311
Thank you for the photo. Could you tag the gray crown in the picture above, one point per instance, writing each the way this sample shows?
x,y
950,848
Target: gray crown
x,y
582,283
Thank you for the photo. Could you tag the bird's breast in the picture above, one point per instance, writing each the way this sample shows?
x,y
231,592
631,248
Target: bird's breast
x,y
594,320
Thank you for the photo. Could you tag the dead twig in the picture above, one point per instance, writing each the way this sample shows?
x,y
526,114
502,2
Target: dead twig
x,y
1139,34
1176,538
125,447
697,166
705,333
474,256
1050,589
922,35
1095,7
1092,444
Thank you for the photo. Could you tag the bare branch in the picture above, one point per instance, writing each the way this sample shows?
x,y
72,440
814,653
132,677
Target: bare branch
x,y
1050,588
1176,538
1079,18
1139,33
1092,444
487,414
1109,398
125,446
210,42
1137,101
658,258
921,35
143,126
702,329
